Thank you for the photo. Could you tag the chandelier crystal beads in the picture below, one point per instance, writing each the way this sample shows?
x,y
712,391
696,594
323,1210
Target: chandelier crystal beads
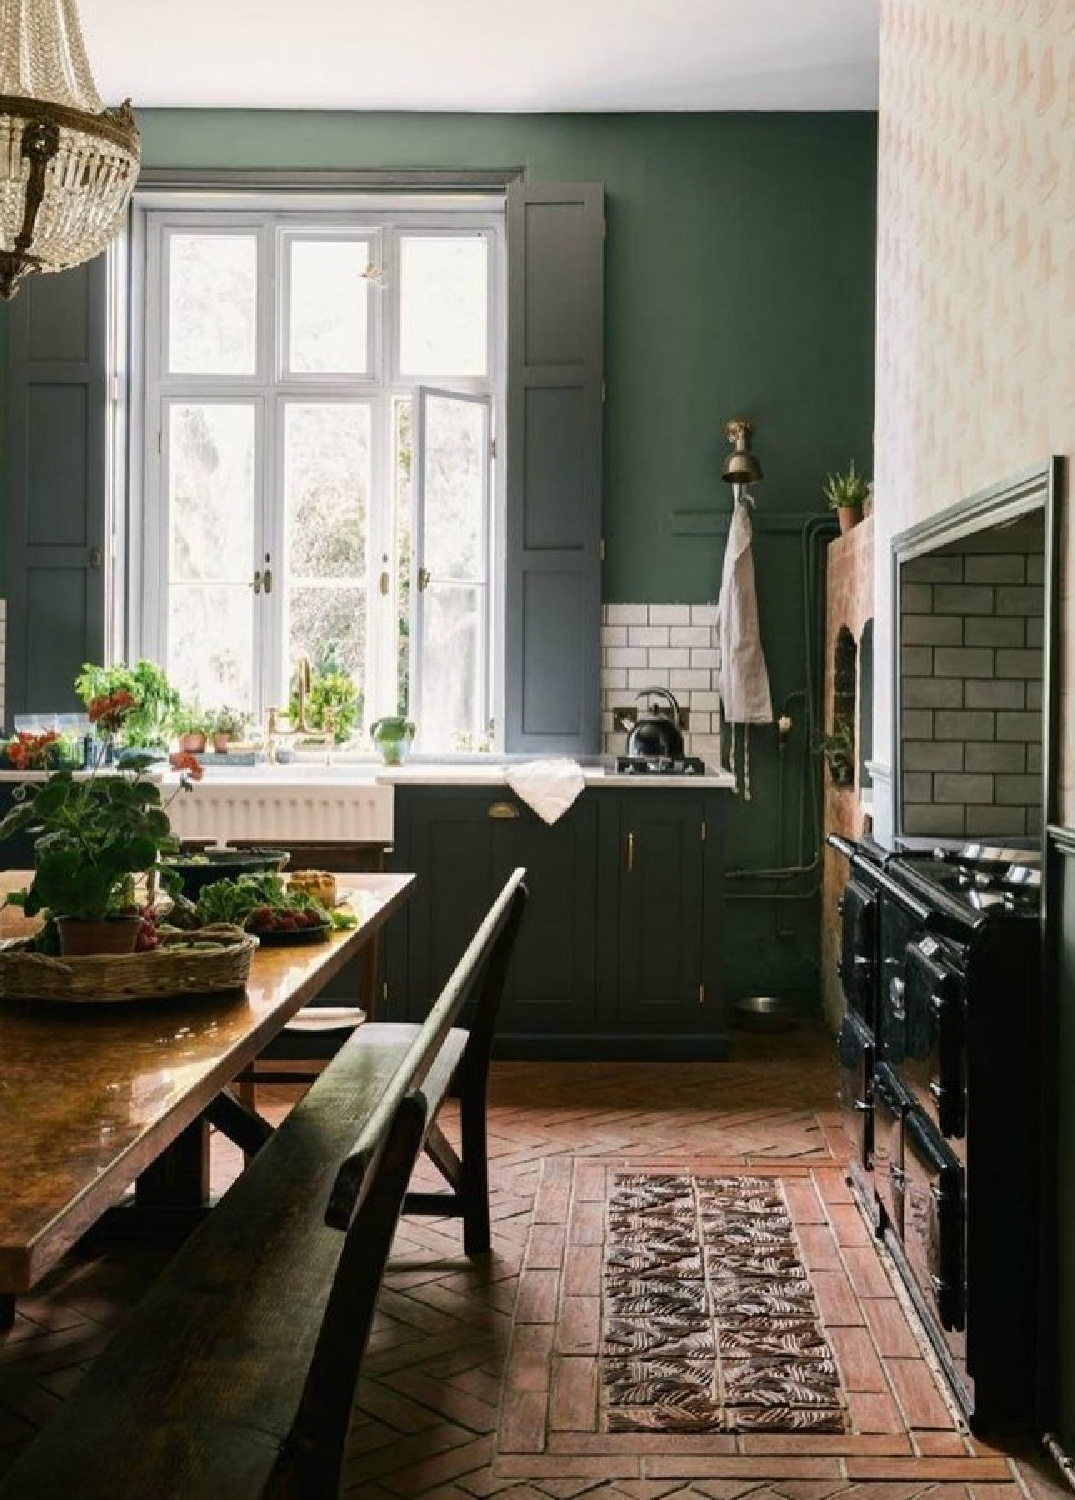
x,y
68,166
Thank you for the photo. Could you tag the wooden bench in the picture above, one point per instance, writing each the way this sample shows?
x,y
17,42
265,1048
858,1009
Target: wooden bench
x,y
234,1376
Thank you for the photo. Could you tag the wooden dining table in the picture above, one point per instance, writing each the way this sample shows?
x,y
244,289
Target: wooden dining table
x,y
97,1097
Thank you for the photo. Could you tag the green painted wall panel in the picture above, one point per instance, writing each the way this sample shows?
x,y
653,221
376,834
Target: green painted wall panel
x,y
739,279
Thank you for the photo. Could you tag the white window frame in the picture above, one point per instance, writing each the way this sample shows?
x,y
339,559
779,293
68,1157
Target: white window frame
x,y
279,219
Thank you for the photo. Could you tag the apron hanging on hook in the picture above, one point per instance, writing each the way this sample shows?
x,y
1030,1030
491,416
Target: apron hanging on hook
x,y
744,678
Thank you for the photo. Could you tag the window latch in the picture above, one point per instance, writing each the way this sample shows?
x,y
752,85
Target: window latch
x,y
263,580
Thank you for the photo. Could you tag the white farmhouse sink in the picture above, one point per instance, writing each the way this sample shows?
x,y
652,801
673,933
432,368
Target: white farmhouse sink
x,y
326,804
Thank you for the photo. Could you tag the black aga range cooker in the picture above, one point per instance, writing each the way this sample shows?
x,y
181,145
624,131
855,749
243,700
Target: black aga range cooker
x,y
941,969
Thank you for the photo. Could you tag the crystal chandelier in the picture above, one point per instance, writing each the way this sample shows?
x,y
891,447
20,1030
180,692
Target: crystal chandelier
x,y
67,164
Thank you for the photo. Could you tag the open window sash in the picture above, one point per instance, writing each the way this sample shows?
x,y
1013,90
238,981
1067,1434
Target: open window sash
x,y
449,659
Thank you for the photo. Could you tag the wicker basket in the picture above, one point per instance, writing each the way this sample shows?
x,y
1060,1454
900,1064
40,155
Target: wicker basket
x,y
164,973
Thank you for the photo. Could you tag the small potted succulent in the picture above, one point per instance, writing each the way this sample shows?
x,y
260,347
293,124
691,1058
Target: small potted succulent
x,y
190,725
94,835
225,725
846,495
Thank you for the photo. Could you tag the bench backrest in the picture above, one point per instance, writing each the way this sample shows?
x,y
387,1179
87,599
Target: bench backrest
x,y
483,966
311,1457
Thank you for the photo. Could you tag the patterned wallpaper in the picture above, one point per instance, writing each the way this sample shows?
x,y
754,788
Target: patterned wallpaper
x,y
976,272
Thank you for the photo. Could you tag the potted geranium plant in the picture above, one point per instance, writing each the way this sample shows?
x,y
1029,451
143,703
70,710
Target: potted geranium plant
x,y
153,699
94,835
846,495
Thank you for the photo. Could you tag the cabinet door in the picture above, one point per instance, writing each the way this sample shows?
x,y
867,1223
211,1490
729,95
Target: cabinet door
x,y
448,842
551,988
660,851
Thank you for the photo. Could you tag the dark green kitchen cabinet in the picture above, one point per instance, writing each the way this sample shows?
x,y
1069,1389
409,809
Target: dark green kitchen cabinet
x,y
652,853
618,955
463,843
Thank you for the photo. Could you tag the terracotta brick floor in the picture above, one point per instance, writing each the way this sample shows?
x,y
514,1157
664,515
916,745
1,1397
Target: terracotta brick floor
x,y
482,1379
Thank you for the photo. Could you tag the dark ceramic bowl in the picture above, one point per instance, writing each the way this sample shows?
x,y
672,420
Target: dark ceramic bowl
x,y
196,871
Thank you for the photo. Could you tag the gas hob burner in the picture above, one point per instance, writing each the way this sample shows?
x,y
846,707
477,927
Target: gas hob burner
x,y
659,765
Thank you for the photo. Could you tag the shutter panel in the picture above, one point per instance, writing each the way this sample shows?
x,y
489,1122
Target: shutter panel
x,y
57,445
552,664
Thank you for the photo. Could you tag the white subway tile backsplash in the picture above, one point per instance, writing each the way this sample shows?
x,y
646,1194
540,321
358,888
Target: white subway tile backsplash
x,y
640,678
647,635
671,646
687,680
627,656
627,614
690,635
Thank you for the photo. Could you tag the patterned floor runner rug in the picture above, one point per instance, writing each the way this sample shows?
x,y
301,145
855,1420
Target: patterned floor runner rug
x,y
710,1322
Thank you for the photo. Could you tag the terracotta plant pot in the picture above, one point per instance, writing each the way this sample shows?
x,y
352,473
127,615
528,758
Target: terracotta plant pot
x,y
79,938
221,743
192,744
848,516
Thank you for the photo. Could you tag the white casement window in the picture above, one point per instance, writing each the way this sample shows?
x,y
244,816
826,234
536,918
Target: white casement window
x,y
316,475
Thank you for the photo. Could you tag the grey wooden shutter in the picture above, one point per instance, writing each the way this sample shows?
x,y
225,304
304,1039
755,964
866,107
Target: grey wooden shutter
x,y
555,367
57,446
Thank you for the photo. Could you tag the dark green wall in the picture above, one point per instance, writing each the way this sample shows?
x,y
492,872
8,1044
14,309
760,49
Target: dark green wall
x,y
739,276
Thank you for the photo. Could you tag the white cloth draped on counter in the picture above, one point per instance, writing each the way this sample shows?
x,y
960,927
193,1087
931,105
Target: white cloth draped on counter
x,y
744,679
548,786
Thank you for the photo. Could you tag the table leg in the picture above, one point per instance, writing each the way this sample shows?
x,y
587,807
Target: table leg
x,y
7,1311
179,1178
369,969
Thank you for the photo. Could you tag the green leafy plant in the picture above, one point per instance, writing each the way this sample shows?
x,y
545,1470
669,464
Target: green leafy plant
x,y
154,698
838,751
190,718
846,491
334,701
230,721
94,833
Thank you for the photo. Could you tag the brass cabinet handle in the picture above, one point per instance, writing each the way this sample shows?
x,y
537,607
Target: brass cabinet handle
x,y
502,810
630,853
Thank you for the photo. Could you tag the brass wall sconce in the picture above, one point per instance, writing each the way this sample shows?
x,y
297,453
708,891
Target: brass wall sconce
x,y
740,467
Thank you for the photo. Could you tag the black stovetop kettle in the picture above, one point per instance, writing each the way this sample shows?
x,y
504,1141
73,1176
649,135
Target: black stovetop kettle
x,y
656,731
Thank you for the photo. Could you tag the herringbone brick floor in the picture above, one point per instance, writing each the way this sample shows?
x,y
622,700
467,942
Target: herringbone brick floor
x,y
481,1378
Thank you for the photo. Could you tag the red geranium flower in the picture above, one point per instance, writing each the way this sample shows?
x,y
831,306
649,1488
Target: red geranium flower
x,y
189,765
110,709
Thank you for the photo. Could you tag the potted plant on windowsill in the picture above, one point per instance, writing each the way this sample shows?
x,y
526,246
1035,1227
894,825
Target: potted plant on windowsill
x,y
153,701
190,724
225,725
94,835
846,495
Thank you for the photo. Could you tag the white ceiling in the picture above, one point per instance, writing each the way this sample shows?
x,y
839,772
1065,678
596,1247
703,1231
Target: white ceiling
x,y
516,55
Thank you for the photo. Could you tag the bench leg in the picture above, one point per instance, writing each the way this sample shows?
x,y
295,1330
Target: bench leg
x,y
474,1188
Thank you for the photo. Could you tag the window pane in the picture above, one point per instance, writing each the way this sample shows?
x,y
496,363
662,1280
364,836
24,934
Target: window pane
x,y
327,455
455,466
404,426
326,489
443,306
329,307
211,490
449,676
212,288
328,625
210,643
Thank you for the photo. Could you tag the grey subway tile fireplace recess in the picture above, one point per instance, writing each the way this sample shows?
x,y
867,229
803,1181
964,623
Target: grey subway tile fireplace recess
x,y
972,606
